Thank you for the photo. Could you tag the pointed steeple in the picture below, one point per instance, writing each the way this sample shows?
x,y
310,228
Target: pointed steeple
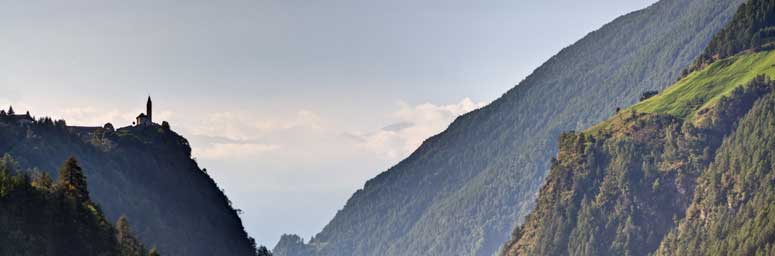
x,y
149,109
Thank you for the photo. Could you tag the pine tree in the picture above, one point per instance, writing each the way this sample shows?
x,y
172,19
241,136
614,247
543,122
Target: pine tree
x,y
10,111
128,243
73,181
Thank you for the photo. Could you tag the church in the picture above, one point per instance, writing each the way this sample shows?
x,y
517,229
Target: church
x,y
146,119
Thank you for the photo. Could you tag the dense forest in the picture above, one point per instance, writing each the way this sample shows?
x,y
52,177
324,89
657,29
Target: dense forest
x,y
685,172
732,208
463,191
42,216
143,173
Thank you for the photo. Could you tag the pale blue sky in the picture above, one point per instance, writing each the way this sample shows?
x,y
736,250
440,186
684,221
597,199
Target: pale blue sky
x,y
291,105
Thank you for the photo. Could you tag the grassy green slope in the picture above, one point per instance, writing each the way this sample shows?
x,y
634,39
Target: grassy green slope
x,y
702,89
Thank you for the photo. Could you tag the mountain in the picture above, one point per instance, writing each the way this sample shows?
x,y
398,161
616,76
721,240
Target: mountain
x,y
685,172
43,217
462,191
145,173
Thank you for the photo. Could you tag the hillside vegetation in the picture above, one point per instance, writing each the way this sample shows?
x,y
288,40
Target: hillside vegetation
x,y
705,87
463,191
40,216
733,206
699,91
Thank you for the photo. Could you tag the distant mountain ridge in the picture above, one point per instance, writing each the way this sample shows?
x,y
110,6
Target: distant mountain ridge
x,y
461,192
143,172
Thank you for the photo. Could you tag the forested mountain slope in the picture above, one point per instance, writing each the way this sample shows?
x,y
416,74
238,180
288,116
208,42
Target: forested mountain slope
x,y
145,173
734,200
463,190
40,216
686,172
620,188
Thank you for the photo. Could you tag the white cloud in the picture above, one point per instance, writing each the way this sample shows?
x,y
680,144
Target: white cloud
x,y
413,125
232,150
231,125
224,135
243,126
302,119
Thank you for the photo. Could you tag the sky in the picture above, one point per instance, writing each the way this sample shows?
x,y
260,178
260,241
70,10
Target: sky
x,y
290,105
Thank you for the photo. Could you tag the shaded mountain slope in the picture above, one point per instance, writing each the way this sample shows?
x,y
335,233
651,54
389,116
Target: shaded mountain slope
x,y
461,192
146,174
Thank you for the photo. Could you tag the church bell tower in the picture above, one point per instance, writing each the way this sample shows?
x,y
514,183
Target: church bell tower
x,y
148,109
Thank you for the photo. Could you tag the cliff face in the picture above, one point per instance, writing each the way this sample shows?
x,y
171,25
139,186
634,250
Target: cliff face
x,y
146,174
461,192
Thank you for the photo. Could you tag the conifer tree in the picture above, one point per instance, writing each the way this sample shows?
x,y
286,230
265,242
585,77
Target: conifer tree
x,y
128,243
73,181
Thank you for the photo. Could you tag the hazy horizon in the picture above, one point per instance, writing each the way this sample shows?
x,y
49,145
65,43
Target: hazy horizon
x,y
290,106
